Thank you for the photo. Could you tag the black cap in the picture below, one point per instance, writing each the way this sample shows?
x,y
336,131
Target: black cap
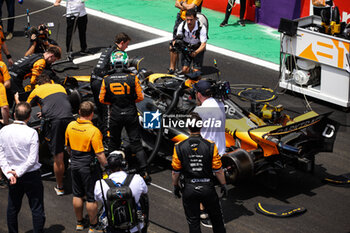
x,y
202,87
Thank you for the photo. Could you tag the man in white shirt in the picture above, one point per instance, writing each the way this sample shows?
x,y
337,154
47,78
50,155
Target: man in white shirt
x,y
138,186
212,110
195,37
19,160
75,8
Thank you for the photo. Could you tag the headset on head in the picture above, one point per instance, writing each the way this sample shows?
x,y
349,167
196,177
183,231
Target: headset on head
x,y
117,159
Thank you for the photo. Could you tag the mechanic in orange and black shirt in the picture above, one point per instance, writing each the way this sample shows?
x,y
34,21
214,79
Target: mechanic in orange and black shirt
x,y
101,69
31,67
197,159
4,105
56,111
122,90
84,141
3,48
5,84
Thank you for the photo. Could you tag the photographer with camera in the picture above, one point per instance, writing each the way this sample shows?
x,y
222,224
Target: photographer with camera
x,y
40,40
180,17
191,39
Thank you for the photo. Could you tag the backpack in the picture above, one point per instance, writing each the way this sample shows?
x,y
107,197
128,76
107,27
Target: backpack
x,y
121,207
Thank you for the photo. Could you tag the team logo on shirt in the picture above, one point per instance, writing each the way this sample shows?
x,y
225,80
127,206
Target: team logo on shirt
x,y
151,120
194,146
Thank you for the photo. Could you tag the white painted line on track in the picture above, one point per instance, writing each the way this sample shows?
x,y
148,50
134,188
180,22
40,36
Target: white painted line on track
x,y
122,21
149,43
160,187
165,34
86,58
46,174
243,57
130,48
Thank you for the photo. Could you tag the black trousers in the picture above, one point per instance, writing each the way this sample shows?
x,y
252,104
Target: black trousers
x,y
131,124
82,25
193,195
10,4
102,110
229,10
31,185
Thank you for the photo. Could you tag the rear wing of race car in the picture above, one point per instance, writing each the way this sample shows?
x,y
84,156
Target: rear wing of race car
x,y
308,133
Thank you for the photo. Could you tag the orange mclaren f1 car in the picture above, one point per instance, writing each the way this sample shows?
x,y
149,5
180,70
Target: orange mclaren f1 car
x,y
253,144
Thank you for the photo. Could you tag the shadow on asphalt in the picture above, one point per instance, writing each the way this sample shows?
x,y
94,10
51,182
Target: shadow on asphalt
x,y
209,70
52,229
233,209
163,227
281,185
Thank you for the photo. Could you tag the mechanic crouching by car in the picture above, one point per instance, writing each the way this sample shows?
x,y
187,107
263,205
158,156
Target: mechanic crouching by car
x,y
40,40
31,67
191,39
122,90
100,70
56,113
197,159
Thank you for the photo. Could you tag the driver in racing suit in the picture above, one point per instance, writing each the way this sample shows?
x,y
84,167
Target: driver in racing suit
x,y
122,90
100,70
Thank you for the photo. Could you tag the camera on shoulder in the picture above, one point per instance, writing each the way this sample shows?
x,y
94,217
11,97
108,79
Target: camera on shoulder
x,y
31,31
179,44
221,90
40,32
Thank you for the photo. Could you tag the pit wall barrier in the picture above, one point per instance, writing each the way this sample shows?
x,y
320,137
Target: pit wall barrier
x,y
271,11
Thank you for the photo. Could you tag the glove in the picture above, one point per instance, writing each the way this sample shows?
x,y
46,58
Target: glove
x,y
177,191
224,191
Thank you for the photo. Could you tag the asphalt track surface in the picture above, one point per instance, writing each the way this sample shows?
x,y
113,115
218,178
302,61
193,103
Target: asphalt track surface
x,y
327,205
